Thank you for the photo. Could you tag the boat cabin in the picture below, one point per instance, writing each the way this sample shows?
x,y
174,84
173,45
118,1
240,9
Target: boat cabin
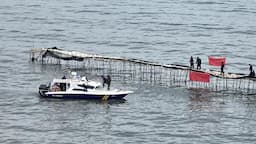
x,y
72,85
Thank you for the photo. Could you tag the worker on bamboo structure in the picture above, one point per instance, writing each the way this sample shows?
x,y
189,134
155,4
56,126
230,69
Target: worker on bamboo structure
x,y
198,62
252,73
222,68
191,62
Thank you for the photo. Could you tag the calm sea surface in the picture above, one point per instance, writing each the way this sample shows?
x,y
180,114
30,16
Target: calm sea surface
x,y
165,31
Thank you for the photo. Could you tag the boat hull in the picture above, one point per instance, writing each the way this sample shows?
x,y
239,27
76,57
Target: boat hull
x,y
83,96
106,95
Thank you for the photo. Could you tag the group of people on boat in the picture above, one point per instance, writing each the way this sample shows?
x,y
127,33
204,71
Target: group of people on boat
x,y
199,62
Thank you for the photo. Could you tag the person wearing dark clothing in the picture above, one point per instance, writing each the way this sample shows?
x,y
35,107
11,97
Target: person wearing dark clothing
x,y
191,62
198,62
250,68
108,82
64,77
63,85
33,59
222,68
252,73
104,81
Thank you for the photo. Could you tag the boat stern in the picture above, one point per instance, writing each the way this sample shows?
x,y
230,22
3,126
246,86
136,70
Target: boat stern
x,y
43,88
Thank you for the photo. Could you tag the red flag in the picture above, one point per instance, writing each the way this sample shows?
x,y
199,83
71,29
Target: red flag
x,y
199,76
216,61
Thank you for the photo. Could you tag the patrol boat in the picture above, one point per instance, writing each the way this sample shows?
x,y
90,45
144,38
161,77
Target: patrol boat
x,y
79,88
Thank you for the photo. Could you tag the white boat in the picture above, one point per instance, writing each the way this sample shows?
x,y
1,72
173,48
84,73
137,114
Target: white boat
x,y
76,88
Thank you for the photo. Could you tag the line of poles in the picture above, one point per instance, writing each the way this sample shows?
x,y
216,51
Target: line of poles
x,y
146,72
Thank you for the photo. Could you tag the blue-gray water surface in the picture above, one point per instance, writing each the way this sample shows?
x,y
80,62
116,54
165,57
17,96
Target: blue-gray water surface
x,y
164,31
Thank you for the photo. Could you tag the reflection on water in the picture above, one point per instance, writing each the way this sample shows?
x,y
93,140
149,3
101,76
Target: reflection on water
x,y
204,99
108,102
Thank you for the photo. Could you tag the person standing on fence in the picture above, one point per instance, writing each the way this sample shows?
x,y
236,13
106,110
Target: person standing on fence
x,y
250,68
252,73
222,68
198,62
191,62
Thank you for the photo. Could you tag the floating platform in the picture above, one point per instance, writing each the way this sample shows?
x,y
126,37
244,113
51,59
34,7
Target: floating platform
x,y
141,71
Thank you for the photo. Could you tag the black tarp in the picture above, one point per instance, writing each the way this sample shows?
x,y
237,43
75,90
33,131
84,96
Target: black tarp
x,y
48,52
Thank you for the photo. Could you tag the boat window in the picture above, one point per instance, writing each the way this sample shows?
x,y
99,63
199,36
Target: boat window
x,y
56,87
63,86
